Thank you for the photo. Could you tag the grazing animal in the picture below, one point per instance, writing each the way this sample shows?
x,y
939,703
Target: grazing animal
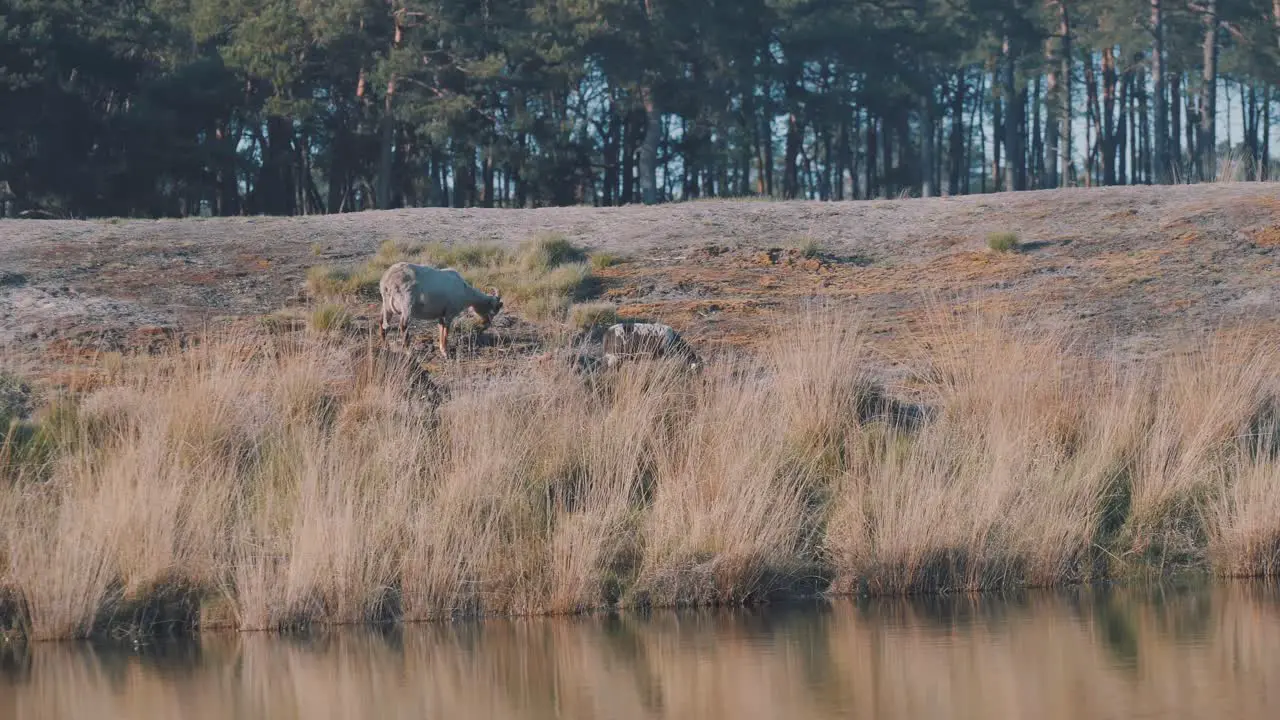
x,y
652,340
426,293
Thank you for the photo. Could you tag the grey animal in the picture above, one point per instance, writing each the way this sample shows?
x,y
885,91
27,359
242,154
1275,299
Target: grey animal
x,y
646,340
420,292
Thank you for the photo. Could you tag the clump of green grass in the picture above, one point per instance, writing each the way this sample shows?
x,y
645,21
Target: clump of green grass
x,y
28,445
14,397
604,259
546,308
329,317
549,251
328,282
563,281
336,283
807,247
543,277
1003,242
464,256
584,316
391,252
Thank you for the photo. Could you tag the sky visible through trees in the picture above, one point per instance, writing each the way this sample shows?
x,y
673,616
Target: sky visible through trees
x,y
155,108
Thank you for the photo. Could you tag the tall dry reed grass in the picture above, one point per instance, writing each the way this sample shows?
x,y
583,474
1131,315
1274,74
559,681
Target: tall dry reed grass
x,y
262,481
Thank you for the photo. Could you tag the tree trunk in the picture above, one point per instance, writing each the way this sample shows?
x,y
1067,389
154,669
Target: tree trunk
x,y
1161,131
1174,108
839,150
1107,138
649,147
766,156
228,182
1209,94
1095,121
1265,174
997,138
981,124
1052,105
1144,130
628,159
957,145
873,180
1226,90
888,168
1036,161
1249,108
795,130
1065,105
1122,129
745,148
610,150
1192,131
520,196
1015,111
274,190
486,199
388,128
976,121
927,150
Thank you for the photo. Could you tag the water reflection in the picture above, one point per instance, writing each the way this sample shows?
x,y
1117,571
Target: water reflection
x,y
1190,653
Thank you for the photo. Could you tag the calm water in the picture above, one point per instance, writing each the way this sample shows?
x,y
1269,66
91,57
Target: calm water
x,y
1204,653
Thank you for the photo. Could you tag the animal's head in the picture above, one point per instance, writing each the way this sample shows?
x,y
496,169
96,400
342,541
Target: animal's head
x,y
489,309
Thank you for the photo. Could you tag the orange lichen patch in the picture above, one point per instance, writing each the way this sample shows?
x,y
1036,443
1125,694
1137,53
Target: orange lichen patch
x,y
253,261
1123,267
1267,237
949,241
1268,201
789,257
1126,214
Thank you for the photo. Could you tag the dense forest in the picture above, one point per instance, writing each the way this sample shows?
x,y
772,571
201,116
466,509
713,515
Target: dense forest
x,y
225,107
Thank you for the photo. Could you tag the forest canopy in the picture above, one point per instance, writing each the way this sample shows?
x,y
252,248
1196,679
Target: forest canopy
x,y
154,108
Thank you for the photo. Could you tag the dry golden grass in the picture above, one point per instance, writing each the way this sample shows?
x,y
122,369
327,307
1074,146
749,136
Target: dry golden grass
x,y
271,480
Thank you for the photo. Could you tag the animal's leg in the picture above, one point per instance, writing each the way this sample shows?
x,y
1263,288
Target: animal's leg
x,y
444,341
404,330
386,323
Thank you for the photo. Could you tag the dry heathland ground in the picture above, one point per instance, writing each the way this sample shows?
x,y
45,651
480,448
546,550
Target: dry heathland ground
x,y
1138,267
280,473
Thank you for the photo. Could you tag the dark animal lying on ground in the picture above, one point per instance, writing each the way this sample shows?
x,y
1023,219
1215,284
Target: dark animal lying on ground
x,y
646,340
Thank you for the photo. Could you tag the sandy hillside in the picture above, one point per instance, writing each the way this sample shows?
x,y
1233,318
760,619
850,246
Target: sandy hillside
x,y
1141,266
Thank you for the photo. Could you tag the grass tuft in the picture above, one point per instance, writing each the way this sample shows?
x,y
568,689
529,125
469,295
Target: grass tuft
x,y
465,256
335,283
329,317
584,316
808,247
1003,242
547,252
605,259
